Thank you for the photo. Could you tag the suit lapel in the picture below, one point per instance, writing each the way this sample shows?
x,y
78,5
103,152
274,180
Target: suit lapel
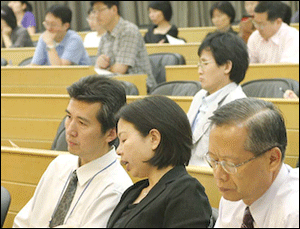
x,y
203,125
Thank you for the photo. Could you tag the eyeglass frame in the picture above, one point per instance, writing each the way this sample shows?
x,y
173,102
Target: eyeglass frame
x,y
96,11
45,24
200,64
208,158
257,26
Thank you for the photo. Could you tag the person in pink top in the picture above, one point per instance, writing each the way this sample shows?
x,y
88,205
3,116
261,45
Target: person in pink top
x,y
274,41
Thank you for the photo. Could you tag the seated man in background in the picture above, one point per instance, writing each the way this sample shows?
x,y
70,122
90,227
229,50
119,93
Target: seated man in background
x,y
91,177
93,38
247,146
58,45
122,49
223,62
273,41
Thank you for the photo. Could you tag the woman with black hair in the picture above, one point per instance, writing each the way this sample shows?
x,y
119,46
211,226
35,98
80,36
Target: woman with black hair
x,y
12,35
160,13
24,15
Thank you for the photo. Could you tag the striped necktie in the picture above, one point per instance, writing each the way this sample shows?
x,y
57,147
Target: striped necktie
x,y
248,219
64,204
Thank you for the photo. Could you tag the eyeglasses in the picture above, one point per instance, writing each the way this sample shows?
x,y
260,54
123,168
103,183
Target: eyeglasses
x,y
90,19
203,64
48,25
98,11
260,25
230,167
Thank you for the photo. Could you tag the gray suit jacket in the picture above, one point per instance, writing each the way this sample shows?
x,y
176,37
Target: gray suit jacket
x,y
201,133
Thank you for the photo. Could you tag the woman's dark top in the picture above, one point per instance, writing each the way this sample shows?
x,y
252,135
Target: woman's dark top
x,y
150,37
177,201
19,38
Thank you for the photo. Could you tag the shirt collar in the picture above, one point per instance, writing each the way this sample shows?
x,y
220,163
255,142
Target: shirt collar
x,y
65,40
212,97
278,35
117,28
87,171
260,207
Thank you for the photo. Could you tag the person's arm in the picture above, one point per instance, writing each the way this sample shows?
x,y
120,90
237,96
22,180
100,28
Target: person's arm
x,y
31,30
51,49
5,34
188,206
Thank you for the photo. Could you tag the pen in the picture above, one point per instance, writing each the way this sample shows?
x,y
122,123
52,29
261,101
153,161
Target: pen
x,y
281,89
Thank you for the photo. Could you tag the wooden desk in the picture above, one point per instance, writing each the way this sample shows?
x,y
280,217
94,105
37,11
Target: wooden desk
x,y
54,79
255,71
21,177
36,125
190,34
189,51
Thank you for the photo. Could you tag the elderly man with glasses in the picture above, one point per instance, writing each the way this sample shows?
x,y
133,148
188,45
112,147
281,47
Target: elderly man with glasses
x,y
247,146
59,45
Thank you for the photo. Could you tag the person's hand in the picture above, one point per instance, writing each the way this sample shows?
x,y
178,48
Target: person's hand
x,y
48,37
6,30
161,41
289,94
103,61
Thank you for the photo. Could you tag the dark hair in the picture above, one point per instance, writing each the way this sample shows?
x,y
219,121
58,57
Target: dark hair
x,y
274,9
62,12
110,93
109,4
263,121
288,13
228,47
28,6
164,6
7,14
225,7
165,115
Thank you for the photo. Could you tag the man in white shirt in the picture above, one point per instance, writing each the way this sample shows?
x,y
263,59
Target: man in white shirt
x,y
247,146
273,41
90,134
92,39
223,62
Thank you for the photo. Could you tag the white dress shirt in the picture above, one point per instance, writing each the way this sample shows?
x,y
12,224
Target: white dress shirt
x,y
277,208
92,40
282,47
101,183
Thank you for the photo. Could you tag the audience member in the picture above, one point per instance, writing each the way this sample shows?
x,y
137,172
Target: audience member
x,y
247,146
223,62
160,13
92,39
273,41
24,15
289,94
222,15
12,36
246,27
122,49
59,45
155,142
90,132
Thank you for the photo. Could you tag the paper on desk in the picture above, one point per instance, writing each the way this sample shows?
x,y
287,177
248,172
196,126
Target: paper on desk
x,y
100,71
13,144
174,40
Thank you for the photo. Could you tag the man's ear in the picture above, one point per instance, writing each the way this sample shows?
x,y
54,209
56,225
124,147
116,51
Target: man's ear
x,y
155,138
66,25
111,135
228,67
274,158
